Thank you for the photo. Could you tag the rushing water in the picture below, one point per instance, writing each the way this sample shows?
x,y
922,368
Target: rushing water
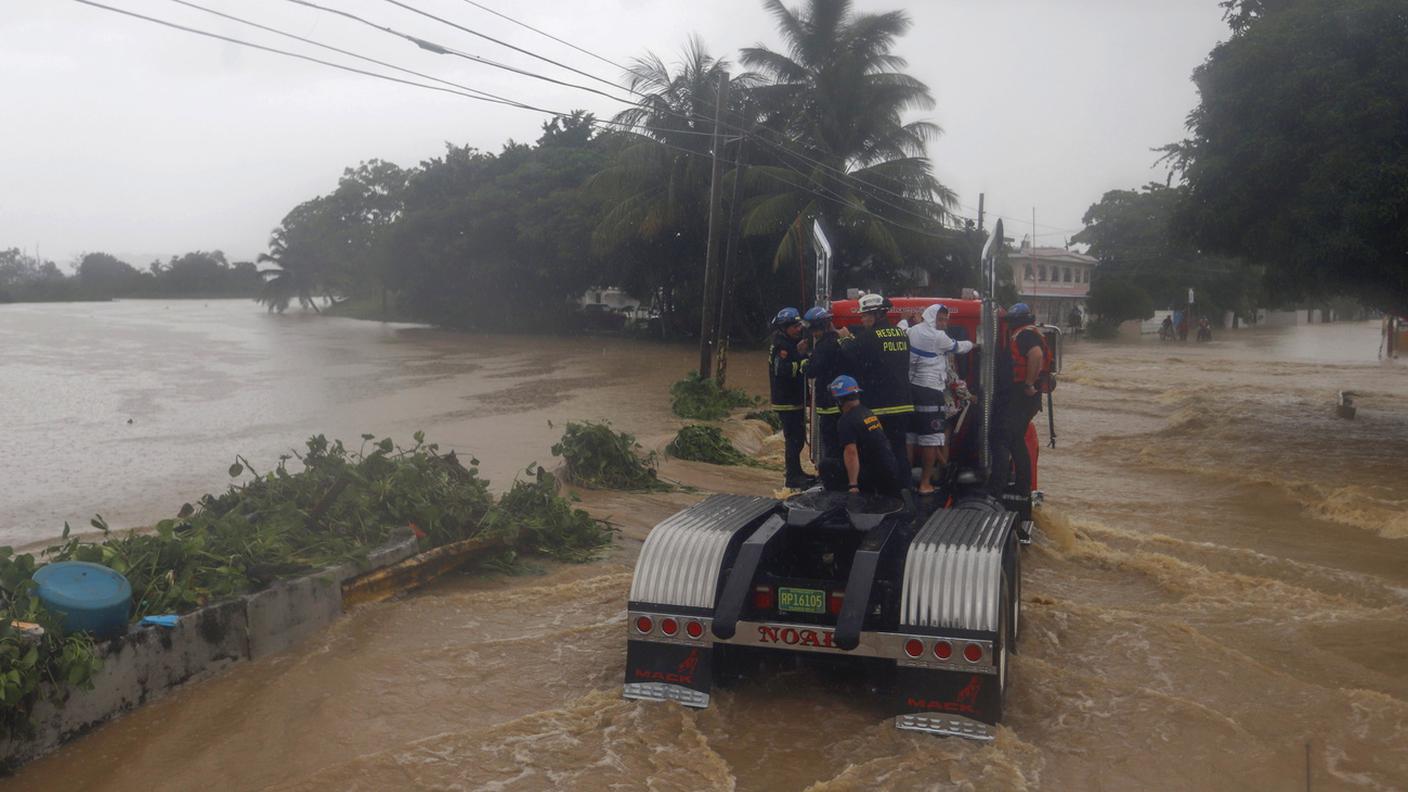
x,y
1218,594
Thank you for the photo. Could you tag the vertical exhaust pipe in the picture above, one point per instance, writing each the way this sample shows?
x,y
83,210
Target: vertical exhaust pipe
x,y
987,337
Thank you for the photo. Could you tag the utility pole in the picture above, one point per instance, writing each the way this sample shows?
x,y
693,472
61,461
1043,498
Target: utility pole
x,y
708,325
982,238
726,275
1032,247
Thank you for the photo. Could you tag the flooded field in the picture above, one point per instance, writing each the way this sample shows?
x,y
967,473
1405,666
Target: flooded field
x,y
1218,594
130,408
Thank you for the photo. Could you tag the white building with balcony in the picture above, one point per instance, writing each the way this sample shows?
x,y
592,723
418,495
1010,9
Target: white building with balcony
x,y
1052,280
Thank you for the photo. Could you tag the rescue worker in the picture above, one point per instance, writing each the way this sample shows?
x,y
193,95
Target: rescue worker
x,y
1029,357
930,350
785,364
867,460
824,365
877,355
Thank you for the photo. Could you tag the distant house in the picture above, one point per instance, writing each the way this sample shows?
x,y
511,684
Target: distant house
x,y
1052,280
610,296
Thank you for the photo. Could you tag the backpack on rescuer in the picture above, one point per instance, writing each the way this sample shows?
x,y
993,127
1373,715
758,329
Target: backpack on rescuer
x,y
1045,380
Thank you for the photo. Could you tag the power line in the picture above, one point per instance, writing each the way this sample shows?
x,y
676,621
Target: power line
x,y
521,23
465,91
341,51
287,53
501,43
441,49
457,90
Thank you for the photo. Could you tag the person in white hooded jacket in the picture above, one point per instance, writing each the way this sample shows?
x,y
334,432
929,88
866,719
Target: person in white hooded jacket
x,y
930,372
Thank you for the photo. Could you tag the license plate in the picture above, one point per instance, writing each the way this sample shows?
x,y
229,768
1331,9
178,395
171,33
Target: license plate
x,y
799,600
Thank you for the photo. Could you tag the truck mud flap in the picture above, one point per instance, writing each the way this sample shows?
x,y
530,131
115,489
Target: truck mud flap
x,y
669,672
948,703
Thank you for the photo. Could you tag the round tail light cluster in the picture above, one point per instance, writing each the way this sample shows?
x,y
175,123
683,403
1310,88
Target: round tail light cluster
x,y
944,649
669,627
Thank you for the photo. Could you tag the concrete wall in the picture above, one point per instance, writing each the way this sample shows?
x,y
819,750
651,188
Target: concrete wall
x,y
145,663
1281,318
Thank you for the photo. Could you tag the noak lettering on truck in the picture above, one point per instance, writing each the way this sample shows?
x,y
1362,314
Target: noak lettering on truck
x,y
793,636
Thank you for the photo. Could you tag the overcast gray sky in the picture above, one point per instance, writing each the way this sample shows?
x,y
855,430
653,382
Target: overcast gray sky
x,y
143,141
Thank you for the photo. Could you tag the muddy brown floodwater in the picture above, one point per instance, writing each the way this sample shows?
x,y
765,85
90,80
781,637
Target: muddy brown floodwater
x,y
1219,582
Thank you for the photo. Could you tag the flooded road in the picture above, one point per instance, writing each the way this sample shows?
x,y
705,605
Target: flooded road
x,y
1219,581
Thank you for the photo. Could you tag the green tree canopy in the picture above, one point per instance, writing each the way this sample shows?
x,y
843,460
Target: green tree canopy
x,y
1131,232
106,273
837,94
1116,299
1297,157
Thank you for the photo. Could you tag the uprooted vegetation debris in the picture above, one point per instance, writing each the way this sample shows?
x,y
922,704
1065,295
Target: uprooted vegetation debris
x,y
700,443
277,524
702,399
600,457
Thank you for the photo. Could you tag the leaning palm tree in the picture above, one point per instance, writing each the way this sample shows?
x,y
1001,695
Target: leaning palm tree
x,y
657,184
841,148
291,279
661,176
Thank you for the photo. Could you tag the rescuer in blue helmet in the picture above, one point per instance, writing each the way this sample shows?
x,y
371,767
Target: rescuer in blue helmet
x,y
823,366
786,363
867,460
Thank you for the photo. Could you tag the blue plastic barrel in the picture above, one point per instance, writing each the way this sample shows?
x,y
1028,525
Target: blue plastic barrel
x,y
91,597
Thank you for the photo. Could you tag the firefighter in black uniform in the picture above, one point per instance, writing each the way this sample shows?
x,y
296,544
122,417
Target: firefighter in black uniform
x,y
823,366
877,355
785,372
867,461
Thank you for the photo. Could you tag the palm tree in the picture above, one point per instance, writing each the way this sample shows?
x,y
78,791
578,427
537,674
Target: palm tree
x,y
293,278
838,96
658,181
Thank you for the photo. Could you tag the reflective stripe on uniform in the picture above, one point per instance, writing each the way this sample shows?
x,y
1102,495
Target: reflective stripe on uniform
x,y
903,408
785,407
828,410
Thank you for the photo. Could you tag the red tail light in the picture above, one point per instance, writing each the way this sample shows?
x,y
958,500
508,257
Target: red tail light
x,y
669,626
914,647
943,650
694,629
834,602
972,653
762,598
644,624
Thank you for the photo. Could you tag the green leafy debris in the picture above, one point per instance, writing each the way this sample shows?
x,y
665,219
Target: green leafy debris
x,y
601,457
707,444
704,400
